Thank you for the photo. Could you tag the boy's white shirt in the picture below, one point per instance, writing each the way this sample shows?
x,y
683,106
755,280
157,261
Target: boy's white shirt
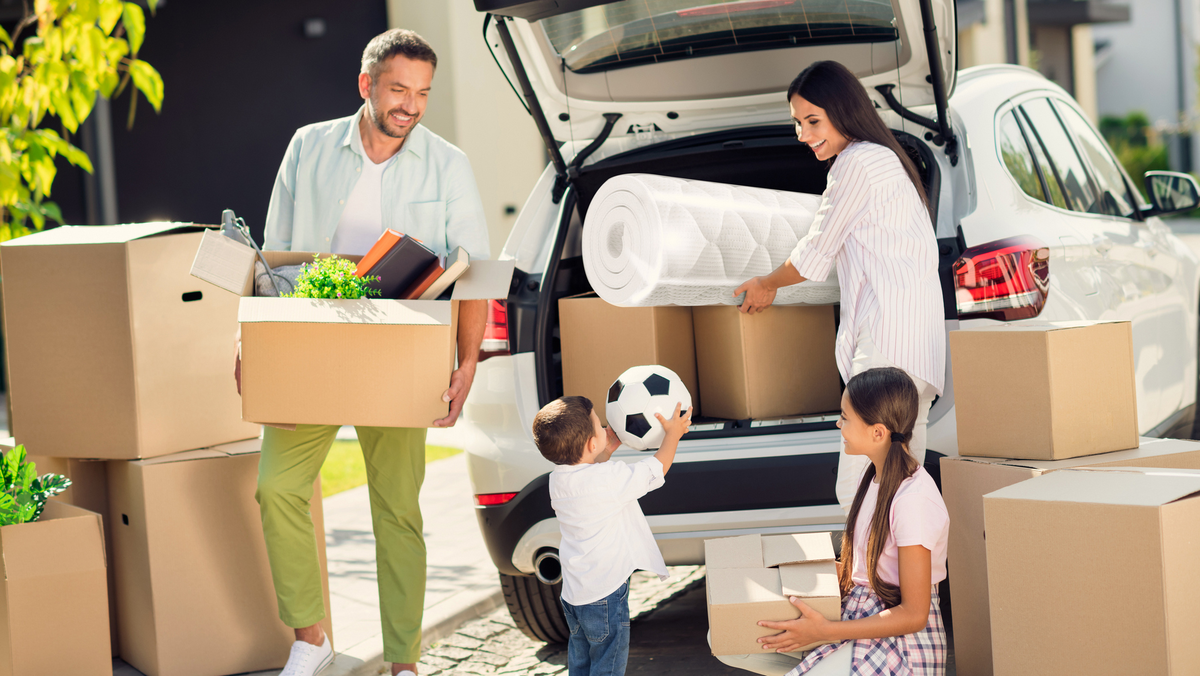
x,y
605,536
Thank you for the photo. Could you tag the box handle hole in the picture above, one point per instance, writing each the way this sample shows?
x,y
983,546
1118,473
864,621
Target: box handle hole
x,y
125,519
192,295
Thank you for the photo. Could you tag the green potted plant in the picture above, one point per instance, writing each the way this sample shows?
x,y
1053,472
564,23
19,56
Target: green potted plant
x,y
332,278
23,493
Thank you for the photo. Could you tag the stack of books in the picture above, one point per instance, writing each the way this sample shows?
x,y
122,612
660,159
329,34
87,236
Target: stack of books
x,y
407,269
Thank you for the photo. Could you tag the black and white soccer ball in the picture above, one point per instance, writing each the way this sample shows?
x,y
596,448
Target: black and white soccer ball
x,y
636,396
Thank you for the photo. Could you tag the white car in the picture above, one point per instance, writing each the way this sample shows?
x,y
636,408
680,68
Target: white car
x,y
695,89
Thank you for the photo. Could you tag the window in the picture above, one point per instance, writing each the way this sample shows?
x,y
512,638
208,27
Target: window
x,y
1114,194
1015,154
1077,186
648,31
1045,167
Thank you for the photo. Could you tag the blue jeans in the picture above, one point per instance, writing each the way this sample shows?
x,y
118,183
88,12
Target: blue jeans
x,y
599,644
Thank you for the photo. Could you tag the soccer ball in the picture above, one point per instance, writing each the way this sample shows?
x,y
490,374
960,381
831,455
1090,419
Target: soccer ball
x,y
636,396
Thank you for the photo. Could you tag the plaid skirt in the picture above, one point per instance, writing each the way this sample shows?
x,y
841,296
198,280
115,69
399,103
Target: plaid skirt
x,y
919,654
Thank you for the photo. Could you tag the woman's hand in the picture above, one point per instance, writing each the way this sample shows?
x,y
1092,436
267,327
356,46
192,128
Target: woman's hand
x,y
811,627
759,294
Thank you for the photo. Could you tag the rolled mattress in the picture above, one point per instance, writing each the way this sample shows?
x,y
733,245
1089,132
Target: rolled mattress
x,y
657,240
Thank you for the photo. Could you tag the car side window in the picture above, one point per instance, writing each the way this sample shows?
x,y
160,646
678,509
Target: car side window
x,y
1114,194
1017,159
1045,167
1077,185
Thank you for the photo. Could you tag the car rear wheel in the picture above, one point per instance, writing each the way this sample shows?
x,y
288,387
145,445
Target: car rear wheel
x,y
535,607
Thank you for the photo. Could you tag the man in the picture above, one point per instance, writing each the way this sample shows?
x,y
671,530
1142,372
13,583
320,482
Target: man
x,y
341,183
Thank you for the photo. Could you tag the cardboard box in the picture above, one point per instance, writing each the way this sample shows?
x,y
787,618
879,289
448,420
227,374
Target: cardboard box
x,y
1094,572
53,595
373,362
89,490
1044,391
600,341
964,483
743,588
114,350
768,365
194,589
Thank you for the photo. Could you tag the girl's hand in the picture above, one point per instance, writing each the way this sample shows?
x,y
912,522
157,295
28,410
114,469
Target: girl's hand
x,y
678,425
811,627
759,295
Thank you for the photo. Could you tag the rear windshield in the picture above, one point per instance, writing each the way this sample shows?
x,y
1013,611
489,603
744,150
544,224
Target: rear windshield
x,y
636,32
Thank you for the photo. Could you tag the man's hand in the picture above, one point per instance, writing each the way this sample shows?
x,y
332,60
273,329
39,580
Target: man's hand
x,y
811,627
237,364
456,395
759,295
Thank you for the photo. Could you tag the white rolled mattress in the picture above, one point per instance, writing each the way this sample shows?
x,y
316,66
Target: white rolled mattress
x,y
656,240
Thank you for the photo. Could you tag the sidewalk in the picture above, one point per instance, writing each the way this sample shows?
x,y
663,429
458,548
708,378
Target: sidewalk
x,y
462,582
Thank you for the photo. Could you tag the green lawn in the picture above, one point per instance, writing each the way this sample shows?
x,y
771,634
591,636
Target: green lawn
x,y
344,467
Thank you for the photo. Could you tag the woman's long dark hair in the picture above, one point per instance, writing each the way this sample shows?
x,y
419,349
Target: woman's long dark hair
x,y
830,85
887,396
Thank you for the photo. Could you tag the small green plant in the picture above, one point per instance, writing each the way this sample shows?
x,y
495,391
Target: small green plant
x,y
23,493
332,278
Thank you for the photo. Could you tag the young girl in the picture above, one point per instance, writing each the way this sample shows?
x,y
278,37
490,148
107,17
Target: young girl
x,y
874,222
893,553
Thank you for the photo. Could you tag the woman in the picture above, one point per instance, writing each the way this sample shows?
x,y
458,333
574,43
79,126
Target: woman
x,y
874,222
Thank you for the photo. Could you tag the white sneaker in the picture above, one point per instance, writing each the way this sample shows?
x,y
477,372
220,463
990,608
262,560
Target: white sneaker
x,y
307,659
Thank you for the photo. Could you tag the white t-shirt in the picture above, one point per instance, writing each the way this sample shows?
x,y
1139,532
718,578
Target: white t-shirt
x,y
361,223
605,536
918,517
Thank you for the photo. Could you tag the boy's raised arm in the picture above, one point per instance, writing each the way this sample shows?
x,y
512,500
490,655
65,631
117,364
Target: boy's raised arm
x,y
675,428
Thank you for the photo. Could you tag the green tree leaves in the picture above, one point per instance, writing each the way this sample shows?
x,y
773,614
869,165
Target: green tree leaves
x,y
23,493
78,50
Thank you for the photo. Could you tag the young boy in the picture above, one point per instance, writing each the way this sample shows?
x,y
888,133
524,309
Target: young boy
x,y
605,536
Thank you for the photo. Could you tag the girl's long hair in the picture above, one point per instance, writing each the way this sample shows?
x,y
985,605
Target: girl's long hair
x,y
830,85
880,396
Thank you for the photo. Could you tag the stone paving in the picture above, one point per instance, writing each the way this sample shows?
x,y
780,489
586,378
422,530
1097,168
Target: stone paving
x,y
494,645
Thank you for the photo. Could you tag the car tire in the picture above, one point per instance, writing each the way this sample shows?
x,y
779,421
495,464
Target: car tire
x,y
535,608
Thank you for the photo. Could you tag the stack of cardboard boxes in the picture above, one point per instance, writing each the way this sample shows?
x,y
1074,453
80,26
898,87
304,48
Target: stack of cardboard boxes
x,y
728,360
120,366
1069,551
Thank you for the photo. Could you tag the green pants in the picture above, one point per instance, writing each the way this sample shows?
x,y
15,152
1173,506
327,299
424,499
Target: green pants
x,y
395,459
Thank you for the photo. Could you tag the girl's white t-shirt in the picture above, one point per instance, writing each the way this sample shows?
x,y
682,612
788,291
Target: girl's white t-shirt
x,y
918,517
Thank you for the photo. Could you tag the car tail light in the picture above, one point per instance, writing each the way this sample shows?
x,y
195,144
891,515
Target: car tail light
x,y
495,334
493,499
1007,279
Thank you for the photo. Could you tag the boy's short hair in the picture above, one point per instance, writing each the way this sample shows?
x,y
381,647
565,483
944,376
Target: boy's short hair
x,y
562,428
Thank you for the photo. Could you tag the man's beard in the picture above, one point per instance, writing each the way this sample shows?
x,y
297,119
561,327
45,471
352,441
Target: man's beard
x,y
380,119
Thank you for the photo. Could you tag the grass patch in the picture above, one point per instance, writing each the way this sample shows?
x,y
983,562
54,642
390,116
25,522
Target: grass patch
x,y
345,468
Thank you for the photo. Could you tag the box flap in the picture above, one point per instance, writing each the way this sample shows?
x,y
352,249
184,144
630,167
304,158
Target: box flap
x,y
200,454
744,551
796,548
363,311
102,234
223,262
1107,486
484,280
1042,327
809,579
743,585
1149,447
241,447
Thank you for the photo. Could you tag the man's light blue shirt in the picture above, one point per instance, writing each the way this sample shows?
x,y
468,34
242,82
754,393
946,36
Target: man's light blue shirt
x,y
429,191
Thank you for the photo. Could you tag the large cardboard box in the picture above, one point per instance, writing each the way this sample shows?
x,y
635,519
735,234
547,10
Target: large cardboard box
x,y
776,363
1094,572
194,589
53,595
373,362
601,340
750,577
1044,391
964,483
114,349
